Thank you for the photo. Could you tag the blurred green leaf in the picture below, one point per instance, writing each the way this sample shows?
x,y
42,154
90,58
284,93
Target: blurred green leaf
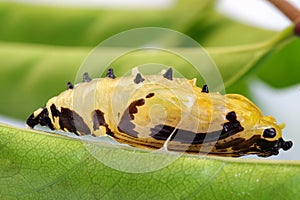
x,y
37,72
87,27
236,61
216,30
32,74
282,69
39,165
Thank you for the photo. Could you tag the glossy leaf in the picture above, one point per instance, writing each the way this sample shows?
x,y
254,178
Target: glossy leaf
x,y
39,165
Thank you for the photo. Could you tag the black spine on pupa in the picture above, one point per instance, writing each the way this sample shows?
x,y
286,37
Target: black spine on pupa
x,y
169,74
70,85
86,77
205,89
138,78
110,73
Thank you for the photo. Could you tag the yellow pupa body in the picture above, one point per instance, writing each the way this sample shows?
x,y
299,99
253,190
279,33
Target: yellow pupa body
x,y
158,110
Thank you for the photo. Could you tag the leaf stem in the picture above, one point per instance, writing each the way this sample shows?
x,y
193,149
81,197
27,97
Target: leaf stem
x,y
290,11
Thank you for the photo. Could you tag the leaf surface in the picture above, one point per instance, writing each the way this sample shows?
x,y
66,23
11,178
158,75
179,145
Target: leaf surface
x,y
39,165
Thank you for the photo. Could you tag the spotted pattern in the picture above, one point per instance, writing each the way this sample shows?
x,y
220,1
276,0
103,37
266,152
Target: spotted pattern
x,y
70,121
126,125
42,118
99,120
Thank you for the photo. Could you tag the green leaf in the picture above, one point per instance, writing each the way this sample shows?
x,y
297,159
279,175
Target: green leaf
x,y
38,72
25,23
40,165
236,61
55,25
32,74
217,30
282,69
35,72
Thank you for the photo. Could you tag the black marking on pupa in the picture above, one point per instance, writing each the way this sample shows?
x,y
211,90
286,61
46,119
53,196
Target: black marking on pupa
x,y
70,85
86,77
42,118
99,120
169,74
231,116
163,132
233,126
138,78
286,145
269,133
126,125
70,120
205,89
150,95
110,73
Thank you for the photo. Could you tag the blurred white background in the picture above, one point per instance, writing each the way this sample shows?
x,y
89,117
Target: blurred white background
x,y
282,104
